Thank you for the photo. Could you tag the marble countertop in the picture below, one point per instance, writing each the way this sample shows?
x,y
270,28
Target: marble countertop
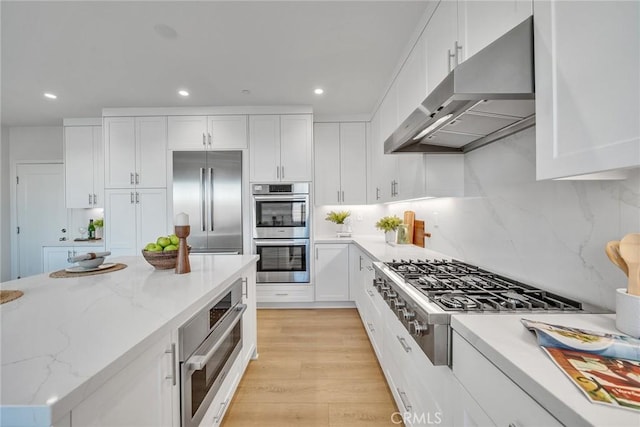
x,y
64,337
514,350
75,243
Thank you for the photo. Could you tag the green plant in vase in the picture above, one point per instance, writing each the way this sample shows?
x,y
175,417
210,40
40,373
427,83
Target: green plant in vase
x,y
99,223
389,224
338,218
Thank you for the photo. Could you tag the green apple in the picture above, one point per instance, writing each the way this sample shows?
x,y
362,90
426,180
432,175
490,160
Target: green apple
x,y
152,247
174,239
170,248
163,241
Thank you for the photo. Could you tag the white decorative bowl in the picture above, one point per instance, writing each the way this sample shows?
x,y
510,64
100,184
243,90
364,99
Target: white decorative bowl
x,y
628,313
91,263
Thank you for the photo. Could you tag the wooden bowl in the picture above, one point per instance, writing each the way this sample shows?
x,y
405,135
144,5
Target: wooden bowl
x,y
162,260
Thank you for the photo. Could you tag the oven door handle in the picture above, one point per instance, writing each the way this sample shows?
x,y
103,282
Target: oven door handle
x,y
281,198
198,362
280,242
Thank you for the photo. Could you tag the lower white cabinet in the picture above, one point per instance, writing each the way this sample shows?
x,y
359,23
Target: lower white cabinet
x,y
332,272
284,293
55,257
141,394
491,389
249,319
138,217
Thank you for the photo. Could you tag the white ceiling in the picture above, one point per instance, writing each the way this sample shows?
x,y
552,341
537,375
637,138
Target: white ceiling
x,y
113,54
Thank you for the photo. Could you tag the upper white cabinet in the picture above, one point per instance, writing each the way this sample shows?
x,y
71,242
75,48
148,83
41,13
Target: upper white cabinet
x,y
135,152
587,84
84,166
412,81
140,215
281,147
207,132
340,161
440,42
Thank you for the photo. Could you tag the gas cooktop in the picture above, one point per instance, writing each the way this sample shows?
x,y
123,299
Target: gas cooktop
x,y
458,286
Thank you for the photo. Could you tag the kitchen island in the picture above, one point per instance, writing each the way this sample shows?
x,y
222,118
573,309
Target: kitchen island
x,y
65,338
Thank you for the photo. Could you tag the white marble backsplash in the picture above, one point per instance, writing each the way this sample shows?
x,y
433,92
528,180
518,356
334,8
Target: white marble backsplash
x,y
547,233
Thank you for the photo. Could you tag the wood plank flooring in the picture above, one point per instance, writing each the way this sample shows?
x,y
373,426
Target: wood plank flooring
x,y
315,368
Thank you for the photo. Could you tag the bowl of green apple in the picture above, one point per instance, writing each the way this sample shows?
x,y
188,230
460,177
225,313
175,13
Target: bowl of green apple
x,y
163,253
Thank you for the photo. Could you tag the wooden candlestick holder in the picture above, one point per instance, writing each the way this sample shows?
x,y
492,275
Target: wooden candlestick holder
x,y
182,264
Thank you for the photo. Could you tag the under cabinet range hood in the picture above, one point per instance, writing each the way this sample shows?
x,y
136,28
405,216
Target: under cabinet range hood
x,y
487,97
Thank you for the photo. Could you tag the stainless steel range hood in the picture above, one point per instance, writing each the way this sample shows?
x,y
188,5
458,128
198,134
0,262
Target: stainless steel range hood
x,y
487,97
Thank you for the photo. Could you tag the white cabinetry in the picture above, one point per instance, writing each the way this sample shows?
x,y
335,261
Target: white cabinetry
x,y
587,84
142,394
491,389
138,217
332,272
249,319
207,132
135,152
340,161
281,148
55,257
440,42
83,167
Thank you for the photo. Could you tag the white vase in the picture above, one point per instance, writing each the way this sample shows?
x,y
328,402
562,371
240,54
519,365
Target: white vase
x,y
628,313
99,232
390,236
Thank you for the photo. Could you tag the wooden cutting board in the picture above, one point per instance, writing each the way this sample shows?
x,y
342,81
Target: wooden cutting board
x,y
418,233
409,219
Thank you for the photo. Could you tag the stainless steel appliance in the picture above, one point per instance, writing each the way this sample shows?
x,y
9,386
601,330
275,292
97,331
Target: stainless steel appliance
x,y
281,211
485,98
281,232
424,294
207,185
209,345
282,260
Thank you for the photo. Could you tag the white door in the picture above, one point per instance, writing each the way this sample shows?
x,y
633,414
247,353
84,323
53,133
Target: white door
x,y
264,148
327,163
353,168
120,152
151,216
151,152
120,215
78,157
227,132
187,132
40,211
332,272
296,148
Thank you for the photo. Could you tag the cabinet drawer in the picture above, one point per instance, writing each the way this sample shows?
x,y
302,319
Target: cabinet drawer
x,y
284,293
491,389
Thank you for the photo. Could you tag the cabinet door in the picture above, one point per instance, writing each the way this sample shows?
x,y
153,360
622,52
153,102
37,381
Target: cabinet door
x,y
587,72
151,152
482,22
389,113
264,148
332,272
98,168
120,220
120,152
187,132
151,216
439,38
326,147
410,176
55,257
139,395
296,148
78,166
249,320
353,168
379,191
412,81
227,132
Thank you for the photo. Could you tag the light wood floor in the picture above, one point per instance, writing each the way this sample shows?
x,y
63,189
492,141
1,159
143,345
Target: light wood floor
x,y
315,368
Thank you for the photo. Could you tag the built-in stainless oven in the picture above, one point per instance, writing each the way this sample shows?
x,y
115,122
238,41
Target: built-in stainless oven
x,y
281,211
209,345
282,260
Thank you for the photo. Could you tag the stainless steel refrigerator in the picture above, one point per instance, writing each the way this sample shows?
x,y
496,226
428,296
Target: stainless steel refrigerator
x,y
207,185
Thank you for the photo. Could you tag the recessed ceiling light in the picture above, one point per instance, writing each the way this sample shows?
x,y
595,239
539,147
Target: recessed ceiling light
x,y
183,93
165,31
50,95
318,91
245,92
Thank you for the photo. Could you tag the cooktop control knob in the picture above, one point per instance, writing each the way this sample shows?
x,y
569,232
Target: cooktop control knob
x,y
396,303
407,314
418,328
389,294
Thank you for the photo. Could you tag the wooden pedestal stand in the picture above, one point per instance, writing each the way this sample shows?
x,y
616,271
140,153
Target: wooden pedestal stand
x,y
182,264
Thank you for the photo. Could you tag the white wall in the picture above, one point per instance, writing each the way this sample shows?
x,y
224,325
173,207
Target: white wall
x,y
5,258
547,233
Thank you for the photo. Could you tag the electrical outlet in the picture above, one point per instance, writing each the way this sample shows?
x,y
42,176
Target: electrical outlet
x,y
359,217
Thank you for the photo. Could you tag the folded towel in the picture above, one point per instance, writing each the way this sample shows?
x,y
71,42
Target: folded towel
x,y
89,255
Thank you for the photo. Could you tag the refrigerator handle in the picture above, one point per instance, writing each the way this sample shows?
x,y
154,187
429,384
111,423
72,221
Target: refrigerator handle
x,y
211,199
203,200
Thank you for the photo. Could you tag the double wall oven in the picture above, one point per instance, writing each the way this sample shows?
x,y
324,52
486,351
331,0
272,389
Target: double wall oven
x,y
281,232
